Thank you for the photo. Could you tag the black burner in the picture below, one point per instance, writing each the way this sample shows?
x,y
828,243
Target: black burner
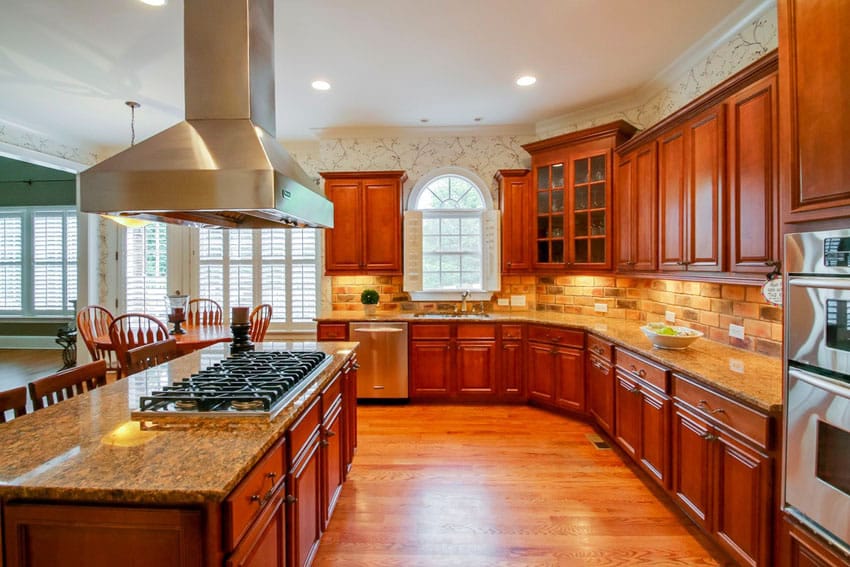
x,y
247,381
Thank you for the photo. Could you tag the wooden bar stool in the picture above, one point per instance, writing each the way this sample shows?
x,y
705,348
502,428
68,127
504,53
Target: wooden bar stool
x,y
66,384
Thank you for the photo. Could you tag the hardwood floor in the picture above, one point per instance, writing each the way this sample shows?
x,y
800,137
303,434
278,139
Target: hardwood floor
x,y
19,367
498,486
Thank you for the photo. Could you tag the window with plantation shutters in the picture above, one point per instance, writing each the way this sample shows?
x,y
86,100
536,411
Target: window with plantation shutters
x,y
38,261
146,256
250,267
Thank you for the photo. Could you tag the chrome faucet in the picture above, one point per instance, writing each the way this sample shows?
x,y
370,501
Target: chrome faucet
x,y
463,297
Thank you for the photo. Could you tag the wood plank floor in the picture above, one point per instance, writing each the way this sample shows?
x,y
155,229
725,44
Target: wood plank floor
x,y
498,486
19,367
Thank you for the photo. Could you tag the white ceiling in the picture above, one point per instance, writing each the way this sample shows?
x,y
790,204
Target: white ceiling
x,y
67,66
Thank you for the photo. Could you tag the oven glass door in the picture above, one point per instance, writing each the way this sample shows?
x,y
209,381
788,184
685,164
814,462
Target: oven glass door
x,y
820,333
817,454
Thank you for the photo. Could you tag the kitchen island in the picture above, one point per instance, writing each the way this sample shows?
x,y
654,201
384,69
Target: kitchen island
x,y
82,483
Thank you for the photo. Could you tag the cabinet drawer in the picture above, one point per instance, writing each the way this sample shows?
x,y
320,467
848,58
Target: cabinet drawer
x,y
717,408
641,368
251,495
304,428
476,331
554,335
512,332
332,332
600,347
430,331
331,394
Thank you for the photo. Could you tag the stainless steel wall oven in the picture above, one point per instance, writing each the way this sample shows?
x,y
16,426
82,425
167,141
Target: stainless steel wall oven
x,y
817,383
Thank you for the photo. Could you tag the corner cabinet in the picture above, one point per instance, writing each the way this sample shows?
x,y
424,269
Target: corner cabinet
x,y
572,186
366,238
515,205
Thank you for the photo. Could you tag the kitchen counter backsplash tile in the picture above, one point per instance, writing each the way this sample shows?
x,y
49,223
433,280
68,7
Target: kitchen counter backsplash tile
x,y
749,377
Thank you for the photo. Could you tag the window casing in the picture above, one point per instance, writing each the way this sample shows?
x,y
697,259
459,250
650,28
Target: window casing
x,y
38,261
146,271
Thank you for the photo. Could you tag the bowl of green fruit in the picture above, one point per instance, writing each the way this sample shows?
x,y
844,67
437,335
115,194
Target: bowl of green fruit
x,y
670,336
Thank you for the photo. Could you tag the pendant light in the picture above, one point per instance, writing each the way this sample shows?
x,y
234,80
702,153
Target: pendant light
x,y
130,222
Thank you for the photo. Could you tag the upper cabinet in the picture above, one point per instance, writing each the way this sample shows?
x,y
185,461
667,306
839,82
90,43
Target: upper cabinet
x,y
814,39
366,238
636,210
515,204
572,204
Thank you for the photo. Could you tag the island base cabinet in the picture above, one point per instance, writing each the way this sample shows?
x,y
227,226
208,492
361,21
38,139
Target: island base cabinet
x,y
305,512
43,535
265,544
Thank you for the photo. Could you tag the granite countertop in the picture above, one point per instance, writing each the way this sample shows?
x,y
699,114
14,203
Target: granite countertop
x,y
89,449
752,379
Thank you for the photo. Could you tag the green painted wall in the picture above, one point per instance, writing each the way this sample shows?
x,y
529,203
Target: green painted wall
x,y
48,187
30,329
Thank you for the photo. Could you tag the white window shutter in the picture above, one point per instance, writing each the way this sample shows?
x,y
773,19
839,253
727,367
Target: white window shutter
x,y
412,251
492,260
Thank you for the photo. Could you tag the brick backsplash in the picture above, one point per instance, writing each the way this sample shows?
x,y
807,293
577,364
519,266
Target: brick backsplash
x,y
707,307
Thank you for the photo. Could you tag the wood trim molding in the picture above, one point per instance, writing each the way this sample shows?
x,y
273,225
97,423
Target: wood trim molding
x,y
620,128
505,173
746,76
363,174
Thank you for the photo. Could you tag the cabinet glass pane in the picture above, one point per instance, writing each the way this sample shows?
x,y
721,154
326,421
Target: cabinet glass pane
x,y
543,177
597,168
597,223
597,196
557,201
558,226
558,175
543,251
542,227
597,250
580,224
558,251
581,172
543,202
580,251
581,199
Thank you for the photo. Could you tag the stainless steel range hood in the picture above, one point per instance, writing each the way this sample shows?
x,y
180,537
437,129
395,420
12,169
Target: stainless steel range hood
x,y
221,166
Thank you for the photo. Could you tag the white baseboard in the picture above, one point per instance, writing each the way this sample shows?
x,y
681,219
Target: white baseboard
x,y
29,343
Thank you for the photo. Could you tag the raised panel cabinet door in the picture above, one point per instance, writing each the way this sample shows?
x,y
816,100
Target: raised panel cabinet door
x,y
655,435
541,372
671,201
624,212
516,202
753,170
349,409
512,370
476,368
265,544
627,414
706,143
744,501
693,473
343,242
382,225
815,113
645,210
430,368
304,501
569,379
600,393
332,462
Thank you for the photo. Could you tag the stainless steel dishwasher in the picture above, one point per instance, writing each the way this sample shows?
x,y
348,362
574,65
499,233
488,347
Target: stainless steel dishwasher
x,y
383,359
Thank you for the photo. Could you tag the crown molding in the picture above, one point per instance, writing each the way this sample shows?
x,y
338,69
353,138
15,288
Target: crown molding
x,y
25,144
424,131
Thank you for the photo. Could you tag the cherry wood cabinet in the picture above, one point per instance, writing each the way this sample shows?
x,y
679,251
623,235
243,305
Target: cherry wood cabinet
x,y
430,360
753,176
265,544
636,210
815,109
332,447
803,549
476,367
349,411
512,363
366,238
515,204
600,383
332,331
722,472
571,198
556,367
303,486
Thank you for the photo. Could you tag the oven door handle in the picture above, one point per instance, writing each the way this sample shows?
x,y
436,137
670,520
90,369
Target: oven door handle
x,y
831,386
842,284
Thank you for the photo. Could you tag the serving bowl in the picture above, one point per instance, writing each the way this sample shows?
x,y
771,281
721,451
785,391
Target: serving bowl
x,y
681,340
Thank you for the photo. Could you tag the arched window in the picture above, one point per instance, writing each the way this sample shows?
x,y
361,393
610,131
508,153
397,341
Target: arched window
x,y
449,232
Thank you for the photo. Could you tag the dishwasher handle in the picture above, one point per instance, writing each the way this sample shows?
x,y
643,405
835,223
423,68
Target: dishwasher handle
x,y
379,330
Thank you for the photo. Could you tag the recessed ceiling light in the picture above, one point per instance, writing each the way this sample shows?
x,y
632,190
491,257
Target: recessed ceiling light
x,y
477,119
154,2
321,85
424,120
526,80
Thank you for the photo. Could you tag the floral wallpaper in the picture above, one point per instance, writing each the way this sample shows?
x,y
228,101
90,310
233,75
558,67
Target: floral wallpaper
x,y
27,139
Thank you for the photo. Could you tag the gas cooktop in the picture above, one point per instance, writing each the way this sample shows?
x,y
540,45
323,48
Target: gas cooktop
x,y
247,384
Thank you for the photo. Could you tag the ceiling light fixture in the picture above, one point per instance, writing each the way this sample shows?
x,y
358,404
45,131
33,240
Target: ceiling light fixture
x,y
526,81
155,2
130,222
424,120
477,119
321,85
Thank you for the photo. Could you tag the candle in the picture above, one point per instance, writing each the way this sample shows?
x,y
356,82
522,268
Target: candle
x,y
239,315
178,314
